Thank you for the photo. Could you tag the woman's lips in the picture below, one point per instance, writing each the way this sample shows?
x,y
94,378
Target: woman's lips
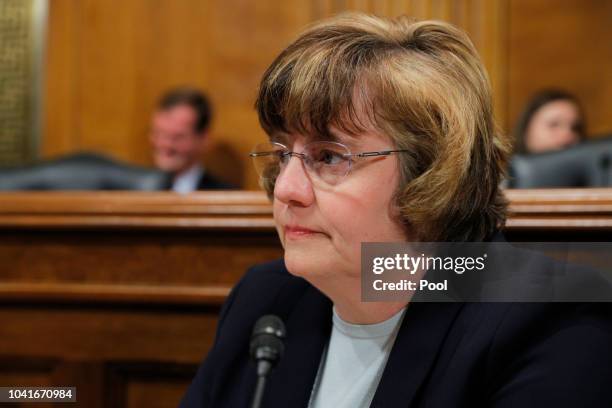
x,y
297,232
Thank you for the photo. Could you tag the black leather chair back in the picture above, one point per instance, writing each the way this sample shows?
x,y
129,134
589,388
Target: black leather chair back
x,y
585,165
83,171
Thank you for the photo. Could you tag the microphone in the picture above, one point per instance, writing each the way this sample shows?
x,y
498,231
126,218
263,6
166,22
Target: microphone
x,y
266,349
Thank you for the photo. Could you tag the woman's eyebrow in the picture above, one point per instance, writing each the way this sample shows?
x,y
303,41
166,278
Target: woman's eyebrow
x,y
351,142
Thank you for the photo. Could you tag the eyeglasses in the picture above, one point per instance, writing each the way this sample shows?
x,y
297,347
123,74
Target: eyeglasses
x,y
328,161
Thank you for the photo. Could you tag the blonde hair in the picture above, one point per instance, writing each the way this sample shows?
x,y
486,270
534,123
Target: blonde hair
x,y
420,83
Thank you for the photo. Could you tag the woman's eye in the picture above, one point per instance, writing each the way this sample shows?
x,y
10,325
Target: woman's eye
x,y
283,156
329,157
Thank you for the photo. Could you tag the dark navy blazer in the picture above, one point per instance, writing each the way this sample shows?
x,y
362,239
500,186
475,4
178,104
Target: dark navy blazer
x,y
446,355
210,182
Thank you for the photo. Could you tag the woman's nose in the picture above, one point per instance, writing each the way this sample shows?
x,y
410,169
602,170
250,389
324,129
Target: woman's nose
x,y
293,184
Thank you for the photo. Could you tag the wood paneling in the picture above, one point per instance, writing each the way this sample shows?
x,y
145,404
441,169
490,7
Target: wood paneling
x,y
563,44
134,356
118,293
133,385
39,372
107,64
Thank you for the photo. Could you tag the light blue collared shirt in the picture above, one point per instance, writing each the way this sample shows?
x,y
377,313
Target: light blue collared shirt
x,y
187,181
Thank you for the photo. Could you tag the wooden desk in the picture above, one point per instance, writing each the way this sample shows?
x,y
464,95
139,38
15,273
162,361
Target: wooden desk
x,y
117,293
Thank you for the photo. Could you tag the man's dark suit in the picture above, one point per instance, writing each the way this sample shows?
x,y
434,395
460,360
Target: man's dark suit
x,y
503,355
210,182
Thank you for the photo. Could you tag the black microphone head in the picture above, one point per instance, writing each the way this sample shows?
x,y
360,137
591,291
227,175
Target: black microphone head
x,y
267,339
269,324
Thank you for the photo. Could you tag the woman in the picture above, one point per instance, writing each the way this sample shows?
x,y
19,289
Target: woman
x,y
552,120
382,131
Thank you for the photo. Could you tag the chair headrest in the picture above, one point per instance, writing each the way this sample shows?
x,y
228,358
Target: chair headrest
x,y
83,171
585,165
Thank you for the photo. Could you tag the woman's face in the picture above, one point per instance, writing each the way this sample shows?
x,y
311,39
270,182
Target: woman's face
x,y
322,226
553,127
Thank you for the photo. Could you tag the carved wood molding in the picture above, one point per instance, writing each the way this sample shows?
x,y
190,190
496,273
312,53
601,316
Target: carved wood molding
x,y
545,209
582,210
234,210
251,210
16,292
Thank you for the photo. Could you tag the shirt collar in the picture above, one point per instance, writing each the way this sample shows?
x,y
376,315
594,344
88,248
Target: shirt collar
x,y
187,181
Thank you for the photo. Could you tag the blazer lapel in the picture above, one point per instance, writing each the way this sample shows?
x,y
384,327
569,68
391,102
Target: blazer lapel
x,y
418,341
308,331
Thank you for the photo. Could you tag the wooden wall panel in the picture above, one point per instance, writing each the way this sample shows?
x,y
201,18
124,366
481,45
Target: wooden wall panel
x,y
565,44
31,371
115,357
108,62
24,371
61,80
135,385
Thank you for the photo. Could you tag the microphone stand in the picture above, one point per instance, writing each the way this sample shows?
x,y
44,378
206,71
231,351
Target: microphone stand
x,y
266,348
259,391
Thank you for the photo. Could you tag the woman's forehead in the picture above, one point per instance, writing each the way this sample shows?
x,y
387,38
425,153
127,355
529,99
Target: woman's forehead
x,y
334,134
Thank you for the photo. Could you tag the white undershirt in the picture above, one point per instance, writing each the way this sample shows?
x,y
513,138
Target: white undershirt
x,y
187,181
353,363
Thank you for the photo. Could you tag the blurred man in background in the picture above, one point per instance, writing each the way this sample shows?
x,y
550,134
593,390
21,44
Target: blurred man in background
x,y
179,137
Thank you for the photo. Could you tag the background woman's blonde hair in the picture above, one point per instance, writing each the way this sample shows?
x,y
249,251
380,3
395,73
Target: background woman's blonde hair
x,y
420,83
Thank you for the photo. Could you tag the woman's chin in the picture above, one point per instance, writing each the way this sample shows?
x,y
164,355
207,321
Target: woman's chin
x,y
304,264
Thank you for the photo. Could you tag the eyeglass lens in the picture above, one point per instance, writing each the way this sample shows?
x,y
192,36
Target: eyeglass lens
x,y
328,161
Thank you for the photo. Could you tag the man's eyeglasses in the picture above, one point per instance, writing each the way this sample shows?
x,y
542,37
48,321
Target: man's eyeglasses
x,y
328,161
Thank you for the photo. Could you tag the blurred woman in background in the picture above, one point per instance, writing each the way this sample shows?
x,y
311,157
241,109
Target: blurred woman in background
x,y
552,120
